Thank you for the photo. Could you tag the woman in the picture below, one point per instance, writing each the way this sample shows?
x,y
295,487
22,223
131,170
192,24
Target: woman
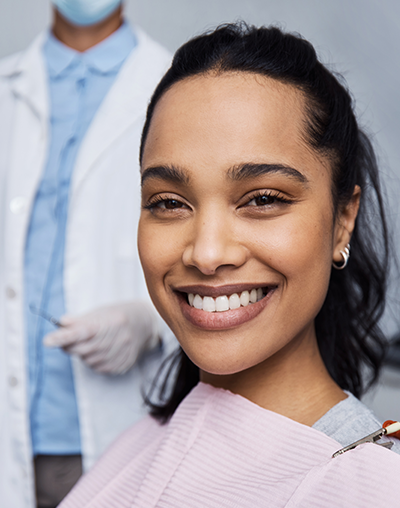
x,y
255,182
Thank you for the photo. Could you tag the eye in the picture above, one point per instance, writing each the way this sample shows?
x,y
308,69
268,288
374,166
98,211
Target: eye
x,y
165,204
261,200
169,204
267,198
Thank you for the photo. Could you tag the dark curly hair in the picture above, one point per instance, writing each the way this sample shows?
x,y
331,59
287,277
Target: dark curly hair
x,y
348,333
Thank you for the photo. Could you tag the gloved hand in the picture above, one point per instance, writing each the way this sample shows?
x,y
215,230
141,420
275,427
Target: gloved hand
x,y
108,339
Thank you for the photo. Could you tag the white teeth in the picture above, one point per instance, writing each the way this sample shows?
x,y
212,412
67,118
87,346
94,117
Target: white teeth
x,y
234,301
198,302
208,304
244,298
223,303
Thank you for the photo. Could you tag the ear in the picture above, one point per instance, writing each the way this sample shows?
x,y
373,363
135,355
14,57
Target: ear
x,y
345,223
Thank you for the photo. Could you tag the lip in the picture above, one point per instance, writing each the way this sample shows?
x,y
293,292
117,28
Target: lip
x,y
215,291
221,320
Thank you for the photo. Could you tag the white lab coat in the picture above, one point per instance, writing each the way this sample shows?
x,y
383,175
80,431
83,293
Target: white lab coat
x,y
101,261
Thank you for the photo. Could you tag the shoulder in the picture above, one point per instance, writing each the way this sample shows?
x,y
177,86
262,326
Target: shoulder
x,y
12,64
152,57
150,44
122,466
141,73
364,477
133,442
351,420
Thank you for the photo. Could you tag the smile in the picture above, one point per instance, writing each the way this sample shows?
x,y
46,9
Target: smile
x,y
222,308
224,303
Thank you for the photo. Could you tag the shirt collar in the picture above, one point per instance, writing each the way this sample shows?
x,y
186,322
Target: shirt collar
x,y
58,56
103,58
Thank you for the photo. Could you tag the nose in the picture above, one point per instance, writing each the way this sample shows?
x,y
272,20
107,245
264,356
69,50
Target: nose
x,y
213,245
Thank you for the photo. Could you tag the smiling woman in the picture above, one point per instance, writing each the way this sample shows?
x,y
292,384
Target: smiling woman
x,y
255,182
252,214
254,150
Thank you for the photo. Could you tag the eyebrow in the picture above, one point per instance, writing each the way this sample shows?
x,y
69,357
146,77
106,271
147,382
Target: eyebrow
x,y
240,172
249,170
171,173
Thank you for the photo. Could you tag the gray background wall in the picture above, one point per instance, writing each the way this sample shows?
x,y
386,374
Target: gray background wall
x,y
359,38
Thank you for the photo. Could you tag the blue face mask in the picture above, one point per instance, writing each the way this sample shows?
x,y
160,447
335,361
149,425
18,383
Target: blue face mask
x,y
86,12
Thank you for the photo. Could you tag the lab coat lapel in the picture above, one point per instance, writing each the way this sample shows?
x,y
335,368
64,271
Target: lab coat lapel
x,y
26,149
29,123
28,79
122,107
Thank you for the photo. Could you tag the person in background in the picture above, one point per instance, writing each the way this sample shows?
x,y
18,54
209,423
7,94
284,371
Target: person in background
x,y
71,110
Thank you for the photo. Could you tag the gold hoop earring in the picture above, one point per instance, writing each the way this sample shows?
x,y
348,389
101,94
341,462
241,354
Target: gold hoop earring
x,y
345,255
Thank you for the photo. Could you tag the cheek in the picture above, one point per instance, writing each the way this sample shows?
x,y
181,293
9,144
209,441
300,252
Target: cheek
x,y
158,251
300,248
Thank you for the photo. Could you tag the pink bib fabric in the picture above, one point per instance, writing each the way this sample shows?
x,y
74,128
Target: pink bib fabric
x,y
221,450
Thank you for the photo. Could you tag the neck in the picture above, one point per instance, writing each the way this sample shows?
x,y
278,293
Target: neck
x,y
294,383
82,38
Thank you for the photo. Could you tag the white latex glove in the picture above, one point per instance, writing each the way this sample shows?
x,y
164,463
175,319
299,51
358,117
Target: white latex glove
x,y
108,339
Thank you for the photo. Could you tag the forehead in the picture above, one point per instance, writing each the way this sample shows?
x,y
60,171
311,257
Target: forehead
x,y
228,119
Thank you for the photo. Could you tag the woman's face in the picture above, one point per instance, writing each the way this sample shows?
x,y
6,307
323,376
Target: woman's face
x,y
237,234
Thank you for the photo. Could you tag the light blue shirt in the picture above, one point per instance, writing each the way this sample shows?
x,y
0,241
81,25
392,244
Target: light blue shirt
x,y
78,83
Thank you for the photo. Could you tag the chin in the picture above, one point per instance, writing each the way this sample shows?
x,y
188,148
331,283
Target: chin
x,y
220,362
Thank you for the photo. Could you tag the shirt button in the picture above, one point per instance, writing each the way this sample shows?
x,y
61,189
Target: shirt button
x,y
18,204
10,292
12,381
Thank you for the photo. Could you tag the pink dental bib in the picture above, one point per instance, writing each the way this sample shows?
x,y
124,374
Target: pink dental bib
x,y
221,450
